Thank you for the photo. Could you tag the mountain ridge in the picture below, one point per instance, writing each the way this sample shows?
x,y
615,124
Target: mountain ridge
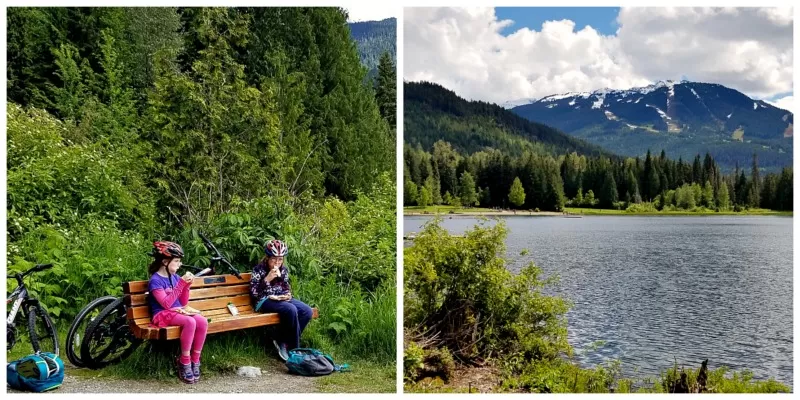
x,y
681,117
433,112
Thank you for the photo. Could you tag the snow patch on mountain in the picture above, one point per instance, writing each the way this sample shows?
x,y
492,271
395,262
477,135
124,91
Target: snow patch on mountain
x,y
519,102
599,103
661,113
695,94
555,97
611,116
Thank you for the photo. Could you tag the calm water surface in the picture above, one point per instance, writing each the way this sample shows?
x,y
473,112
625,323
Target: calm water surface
x,y
660,289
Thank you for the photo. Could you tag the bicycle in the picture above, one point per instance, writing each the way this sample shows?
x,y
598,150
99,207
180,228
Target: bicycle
x,y
41,330
108,339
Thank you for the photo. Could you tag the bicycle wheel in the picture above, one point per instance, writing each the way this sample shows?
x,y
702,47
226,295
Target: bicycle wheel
x,y
108,339
78,328
44,336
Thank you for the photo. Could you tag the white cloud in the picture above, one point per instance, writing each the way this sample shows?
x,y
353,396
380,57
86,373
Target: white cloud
x,y
375,12
786,103
748,49
462,49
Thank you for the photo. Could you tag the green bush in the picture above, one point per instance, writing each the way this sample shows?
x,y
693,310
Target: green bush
x,y
52,180
458,289
646,207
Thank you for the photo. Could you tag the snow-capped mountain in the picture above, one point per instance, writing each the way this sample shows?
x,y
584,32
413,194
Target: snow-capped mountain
x,y
681,117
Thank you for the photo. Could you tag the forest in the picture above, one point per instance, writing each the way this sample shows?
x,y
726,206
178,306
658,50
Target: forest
x,y
130,125
472,153
547,182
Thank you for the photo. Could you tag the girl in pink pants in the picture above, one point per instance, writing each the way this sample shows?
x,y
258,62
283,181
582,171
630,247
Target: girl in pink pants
x,y
168,297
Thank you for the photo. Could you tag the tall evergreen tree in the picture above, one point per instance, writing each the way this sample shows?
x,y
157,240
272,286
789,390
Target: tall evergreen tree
x,y
753,197
386,90
608,194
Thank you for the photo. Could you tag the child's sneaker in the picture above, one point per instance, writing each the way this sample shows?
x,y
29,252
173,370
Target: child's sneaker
x,y
196,371
283,351
185,372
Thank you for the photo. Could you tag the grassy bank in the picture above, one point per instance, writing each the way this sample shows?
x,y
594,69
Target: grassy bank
x,y
442,210
564,376
599,211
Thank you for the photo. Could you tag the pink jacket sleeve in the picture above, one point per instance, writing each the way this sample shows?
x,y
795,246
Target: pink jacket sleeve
x,y
180,293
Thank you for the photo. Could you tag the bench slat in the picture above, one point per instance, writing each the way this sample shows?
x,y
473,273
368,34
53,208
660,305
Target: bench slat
x,y
138,287
134,300
224,324
144,311
145,322
209,304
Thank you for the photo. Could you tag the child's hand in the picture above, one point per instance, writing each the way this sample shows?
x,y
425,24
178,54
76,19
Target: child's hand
x,y
273,273
188,277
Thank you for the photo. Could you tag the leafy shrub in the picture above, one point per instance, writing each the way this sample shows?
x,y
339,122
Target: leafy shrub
x,y
641,208
52,180
458,290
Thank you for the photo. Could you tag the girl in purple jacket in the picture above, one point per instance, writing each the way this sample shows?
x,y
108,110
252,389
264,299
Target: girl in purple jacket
x,y
271,292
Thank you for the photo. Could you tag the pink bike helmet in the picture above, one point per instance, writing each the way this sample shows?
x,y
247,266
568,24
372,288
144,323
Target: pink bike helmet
x,y
276,248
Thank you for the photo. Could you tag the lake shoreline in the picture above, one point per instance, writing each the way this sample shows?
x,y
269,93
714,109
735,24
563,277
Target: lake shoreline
x,y
572,213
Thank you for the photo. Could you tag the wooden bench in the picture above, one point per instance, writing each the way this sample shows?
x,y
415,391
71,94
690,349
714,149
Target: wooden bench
x,y
210,295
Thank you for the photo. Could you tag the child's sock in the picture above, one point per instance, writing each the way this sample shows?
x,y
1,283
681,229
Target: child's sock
x,y
184,359
195,357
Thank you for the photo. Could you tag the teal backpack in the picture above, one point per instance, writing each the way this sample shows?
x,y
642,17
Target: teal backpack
x,y
312,362
38,372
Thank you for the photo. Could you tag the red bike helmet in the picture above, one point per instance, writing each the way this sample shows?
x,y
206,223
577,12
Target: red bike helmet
x,y
166,249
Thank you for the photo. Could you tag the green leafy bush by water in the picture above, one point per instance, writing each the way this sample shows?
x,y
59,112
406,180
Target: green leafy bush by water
x,y
460,296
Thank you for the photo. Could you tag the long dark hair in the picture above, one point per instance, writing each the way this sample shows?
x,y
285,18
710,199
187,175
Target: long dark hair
x,y
156,265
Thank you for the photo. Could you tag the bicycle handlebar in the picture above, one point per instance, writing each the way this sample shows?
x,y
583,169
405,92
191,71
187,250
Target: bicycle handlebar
x,y
191,267
218,256
36,268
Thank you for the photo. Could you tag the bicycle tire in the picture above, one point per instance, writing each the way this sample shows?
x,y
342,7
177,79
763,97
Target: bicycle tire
x,y
34,311
77,330
110,324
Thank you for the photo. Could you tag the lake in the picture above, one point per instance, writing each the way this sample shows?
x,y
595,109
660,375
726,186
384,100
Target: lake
x,y
659,289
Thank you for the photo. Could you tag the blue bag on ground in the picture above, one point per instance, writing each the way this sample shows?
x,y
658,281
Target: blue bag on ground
x,y
312,362
38,372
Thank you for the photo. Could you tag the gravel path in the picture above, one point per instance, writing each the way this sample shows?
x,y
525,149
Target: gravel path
x,y
272,380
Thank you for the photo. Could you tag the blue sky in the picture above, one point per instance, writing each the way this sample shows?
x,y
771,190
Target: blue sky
x,y
602,19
